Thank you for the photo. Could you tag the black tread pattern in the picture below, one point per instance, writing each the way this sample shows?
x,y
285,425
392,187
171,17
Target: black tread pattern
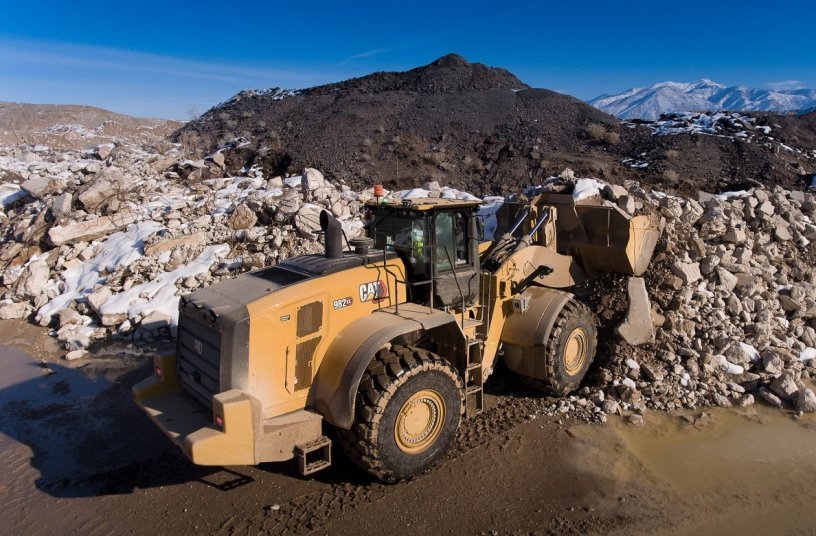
x,y
556,384
388,370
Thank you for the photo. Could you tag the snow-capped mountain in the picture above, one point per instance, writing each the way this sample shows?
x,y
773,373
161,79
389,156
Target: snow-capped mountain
x,y
702,95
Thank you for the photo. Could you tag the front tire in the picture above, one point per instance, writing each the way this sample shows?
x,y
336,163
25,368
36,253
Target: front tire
x,y
569,351
407,410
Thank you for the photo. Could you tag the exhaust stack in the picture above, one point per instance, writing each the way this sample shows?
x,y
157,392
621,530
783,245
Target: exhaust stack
x,y
332,235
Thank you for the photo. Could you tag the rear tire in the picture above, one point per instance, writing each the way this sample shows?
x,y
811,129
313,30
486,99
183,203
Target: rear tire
x,y
569,351
407,410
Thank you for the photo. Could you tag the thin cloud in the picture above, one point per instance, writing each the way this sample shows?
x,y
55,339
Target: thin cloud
x,y
366,54
53,55
132,82
785,85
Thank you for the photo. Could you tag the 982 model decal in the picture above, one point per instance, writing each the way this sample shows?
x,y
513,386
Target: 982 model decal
x,y
343,303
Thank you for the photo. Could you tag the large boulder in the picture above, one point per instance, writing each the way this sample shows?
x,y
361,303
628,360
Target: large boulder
x,y
103,151
163,163
33,280
806,400
98,297
638,327
688,272
286,206
11,311
84,231
242,217
218,159
192,240
104,191
784,387
62,205
38,186
311,183
311,180
307,221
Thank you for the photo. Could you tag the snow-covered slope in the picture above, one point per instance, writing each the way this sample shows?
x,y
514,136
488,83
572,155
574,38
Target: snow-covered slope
x,y
650,102
702,95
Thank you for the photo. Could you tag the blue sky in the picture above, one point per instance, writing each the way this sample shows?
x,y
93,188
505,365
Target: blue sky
x,y
161,59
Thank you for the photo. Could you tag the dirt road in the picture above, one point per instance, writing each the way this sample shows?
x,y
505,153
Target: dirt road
x,y
76,456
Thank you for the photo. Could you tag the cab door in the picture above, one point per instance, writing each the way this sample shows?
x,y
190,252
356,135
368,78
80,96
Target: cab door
x,y
455,260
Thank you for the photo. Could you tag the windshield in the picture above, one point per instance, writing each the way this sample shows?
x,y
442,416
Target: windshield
x,y
402,234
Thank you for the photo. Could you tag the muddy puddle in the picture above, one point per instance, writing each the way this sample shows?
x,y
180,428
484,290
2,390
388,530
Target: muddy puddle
x,y
717,471
65,415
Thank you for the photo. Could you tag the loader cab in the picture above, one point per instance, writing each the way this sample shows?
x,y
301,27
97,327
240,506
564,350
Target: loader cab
x,y
438,240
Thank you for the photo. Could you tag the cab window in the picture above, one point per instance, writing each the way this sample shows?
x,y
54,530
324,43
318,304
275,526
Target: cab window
x,y
402,234
451,240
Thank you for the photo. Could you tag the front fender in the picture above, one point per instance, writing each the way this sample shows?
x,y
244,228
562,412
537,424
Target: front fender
x,y
524,332
335,385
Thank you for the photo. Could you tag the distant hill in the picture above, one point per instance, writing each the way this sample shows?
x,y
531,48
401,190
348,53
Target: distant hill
x,y
702,95
480,128
77,127
462,123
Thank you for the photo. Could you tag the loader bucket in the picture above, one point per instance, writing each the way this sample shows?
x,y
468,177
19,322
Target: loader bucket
x,y
602,237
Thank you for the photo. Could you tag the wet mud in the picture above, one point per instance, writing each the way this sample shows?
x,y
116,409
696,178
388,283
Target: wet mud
x,y
76,456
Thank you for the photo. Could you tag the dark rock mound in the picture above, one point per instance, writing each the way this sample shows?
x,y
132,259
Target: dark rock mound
x,y
480,128
448,74
463,123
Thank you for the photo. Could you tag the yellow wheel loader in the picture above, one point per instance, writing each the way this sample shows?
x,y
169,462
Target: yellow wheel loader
x,y
389,338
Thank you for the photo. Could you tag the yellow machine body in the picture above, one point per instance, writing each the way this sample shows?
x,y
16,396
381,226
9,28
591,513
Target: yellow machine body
x,y
264,358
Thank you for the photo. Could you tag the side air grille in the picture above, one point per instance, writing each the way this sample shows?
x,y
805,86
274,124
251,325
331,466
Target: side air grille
x,y
309,318
304,358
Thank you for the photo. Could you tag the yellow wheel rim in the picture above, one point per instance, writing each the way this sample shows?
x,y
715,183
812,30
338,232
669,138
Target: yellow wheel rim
x,y
420,421
575,351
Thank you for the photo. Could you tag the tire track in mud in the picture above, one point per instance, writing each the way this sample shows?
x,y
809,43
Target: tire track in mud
x,y
349,489
23,508
16,470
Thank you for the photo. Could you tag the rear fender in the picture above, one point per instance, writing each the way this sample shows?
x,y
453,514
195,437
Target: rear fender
x,y
335,386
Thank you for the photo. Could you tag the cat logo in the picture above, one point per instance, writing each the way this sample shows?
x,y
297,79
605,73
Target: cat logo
x,y
198,346
375,291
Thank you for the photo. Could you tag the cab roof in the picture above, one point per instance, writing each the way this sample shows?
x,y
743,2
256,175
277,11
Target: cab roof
x,y
424,203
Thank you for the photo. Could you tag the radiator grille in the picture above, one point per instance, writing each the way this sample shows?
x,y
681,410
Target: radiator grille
x,y
199,357
309,318
304,358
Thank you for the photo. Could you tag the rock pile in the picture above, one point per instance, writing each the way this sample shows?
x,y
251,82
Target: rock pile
x,y
101,242
733,306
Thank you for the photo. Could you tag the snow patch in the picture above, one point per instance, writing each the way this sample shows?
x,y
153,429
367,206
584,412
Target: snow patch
x,y
807,354
120,249
729,367
738,194
444,193
750,351
78,130
9,194
635,163
586,188
235,191
160,294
